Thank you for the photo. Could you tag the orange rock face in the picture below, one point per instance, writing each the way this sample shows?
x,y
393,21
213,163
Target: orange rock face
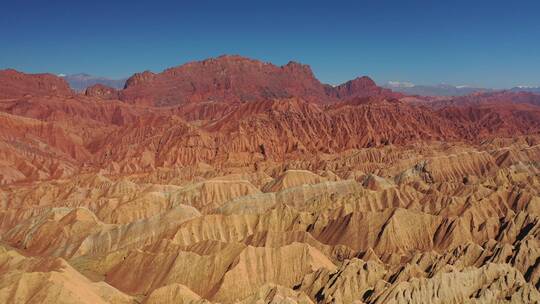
x,y
235,181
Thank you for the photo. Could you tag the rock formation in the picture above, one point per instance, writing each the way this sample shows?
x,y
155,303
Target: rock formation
x,y
230,180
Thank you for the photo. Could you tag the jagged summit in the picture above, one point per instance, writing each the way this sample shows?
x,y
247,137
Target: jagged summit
x,y
233,78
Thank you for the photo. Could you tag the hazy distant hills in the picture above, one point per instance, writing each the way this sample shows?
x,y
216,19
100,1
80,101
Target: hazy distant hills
x,y
526,89
79,82
432,90
447,89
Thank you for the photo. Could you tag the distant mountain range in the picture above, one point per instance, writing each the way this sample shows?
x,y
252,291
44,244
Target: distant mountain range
x,y
79,82
432,90
526,89
447,89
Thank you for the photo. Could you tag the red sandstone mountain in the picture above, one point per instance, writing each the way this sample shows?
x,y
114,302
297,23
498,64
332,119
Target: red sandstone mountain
x,y
238,79
16,84
226,78
362,87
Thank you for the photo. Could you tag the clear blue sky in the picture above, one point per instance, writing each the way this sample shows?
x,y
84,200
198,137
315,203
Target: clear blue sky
x,y
485,43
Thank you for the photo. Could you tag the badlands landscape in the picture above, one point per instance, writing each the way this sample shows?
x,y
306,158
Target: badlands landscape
x,y
231,180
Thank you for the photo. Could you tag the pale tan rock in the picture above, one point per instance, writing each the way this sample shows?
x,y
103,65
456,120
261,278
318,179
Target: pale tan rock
x,y
232,274
352,281
488,284
292,178
50,280
174,293
275,294
255,266
212,194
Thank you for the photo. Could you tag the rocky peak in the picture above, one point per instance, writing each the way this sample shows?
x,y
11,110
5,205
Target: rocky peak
x,y
228,78
233,78
139,78
298,68
16,84
352,87
362,87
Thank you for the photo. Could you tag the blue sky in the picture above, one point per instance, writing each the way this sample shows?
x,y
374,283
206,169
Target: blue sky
x,y
482,43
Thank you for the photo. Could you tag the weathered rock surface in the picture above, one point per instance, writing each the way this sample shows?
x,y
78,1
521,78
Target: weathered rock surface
x,y
235,181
